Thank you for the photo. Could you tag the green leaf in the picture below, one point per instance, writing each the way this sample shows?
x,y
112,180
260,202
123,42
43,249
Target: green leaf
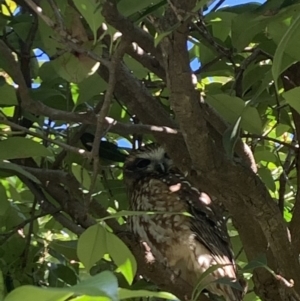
x,y
89,87
231,108
260,262
29,293
66,248
64,273
200,4
17,170
293,98
244,28
2,286
160,36
103,284
92,245
129,7
4,203
91,13
19,147
74,68
91,298
121,256
230,137
202,283
220,23
265,154
251,120
82,175
137,68
128,294
229,282
154,9
267,178
8,95
287,41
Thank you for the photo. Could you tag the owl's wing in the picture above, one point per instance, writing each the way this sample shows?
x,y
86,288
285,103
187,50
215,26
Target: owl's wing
x,y
206,222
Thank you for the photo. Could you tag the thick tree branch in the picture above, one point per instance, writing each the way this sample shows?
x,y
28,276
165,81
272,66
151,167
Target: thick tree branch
x,y
291,79
147,61
208,161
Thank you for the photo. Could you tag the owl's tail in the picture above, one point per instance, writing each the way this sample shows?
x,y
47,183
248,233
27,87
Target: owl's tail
x,y
227,282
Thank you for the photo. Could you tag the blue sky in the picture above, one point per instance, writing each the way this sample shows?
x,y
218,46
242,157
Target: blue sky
x,y
236,2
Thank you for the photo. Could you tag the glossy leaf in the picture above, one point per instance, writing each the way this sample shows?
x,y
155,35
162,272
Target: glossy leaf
x,y
27,293
122,257
292,97
291,35
230,137
128,7
127,294
260,262
74,68
19,147
91,13
103,284
231,108
15,169
245,26
92,245
8,95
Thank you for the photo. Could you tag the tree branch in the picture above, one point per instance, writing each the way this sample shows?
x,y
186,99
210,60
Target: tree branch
x,y
67,147
209,161
130,31
100,127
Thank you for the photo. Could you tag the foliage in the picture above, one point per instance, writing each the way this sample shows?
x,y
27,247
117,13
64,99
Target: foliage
x,y
75,70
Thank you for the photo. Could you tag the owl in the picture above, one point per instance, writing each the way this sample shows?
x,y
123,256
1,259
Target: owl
x,y
186,232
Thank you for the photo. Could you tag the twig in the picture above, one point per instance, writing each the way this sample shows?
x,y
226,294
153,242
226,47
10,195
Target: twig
x,y
130,31
238,254
283,179
117,56
38,10
287,283
48,207
67,147
238,83
289,145
36,107
30,231
7,235
58,17
68,40
217,5
203,68
201,28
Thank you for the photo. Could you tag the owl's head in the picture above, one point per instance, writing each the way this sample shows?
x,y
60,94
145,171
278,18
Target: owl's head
x,y
150,159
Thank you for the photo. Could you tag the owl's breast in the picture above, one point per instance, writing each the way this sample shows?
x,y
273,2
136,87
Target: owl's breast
x,y
160,220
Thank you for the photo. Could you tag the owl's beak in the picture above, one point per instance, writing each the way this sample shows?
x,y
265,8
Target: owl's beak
x,y
160,167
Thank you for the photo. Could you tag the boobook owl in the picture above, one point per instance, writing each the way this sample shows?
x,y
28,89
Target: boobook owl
x,y
188,243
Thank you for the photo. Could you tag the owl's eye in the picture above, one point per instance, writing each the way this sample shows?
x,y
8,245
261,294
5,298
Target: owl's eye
x,y
142,163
